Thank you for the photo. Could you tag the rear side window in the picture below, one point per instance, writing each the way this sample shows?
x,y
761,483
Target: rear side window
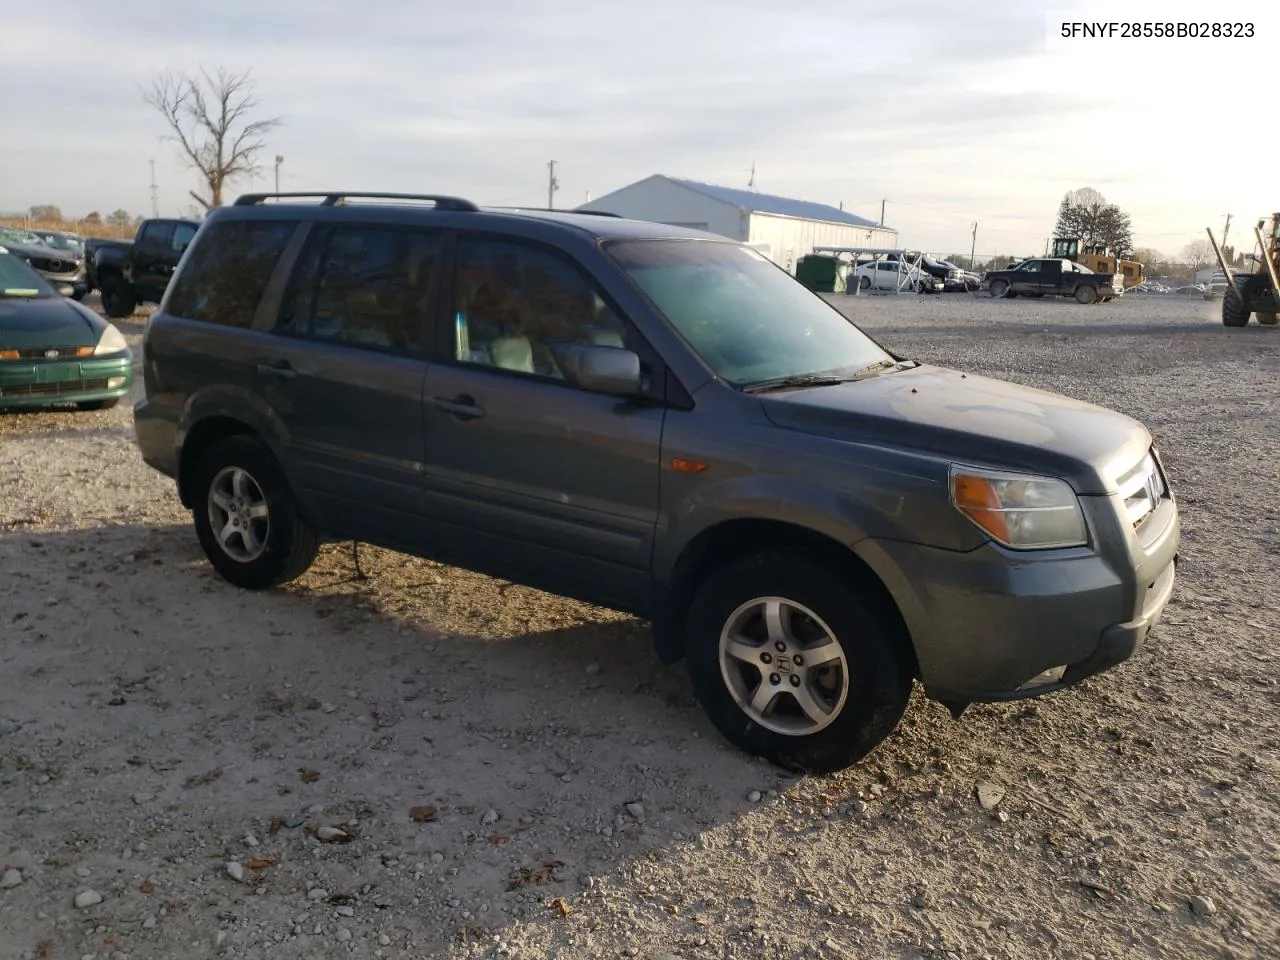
x,y
364,287
227,271
155,233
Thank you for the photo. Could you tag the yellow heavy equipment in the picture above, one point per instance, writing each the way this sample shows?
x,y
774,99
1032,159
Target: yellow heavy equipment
x,y
1098,258
1259,290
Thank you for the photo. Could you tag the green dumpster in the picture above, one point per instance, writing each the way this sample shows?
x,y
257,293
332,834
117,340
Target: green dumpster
x,y
821,274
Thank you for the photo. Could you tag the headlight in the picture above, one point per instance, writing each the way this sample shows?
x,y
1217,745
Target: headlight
x,y
1019,511
111,341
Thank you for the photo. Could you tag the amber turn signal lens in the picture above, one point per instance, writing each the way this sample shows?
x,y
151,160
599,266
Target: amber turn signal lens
x,y
687,466
8,354
976,497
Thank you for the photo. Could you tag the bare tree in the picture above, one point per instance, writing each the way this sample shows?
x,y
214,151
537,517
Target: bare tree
x,y
1197,253
210,117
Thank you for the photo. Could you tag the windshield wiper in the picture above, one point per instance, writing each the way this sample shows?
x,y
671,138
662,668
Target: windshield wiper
x,y
787,383
882,366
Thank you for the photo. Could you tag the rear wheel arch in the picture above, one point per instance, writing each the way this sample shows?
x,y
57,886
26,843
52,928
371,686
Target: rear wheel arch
x,y
732,540
202,435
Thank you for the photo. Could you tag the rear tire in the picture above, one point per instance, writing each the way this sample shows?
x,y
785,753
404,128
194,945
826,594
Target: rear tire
x,y
753,691
259,540
118,300
1086,294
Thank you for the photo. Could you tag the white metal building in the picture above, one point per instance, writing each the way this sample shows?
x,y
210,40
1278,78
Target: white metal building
x,y
783,229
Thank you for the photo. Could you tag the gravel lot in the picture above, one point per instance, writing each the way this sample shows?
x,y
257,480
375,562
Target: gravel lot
x,y
426,762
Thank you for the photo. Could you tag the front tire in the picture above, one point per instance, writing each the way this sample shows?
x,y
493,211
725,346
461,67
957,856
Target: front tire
x,y
118,300
792,665
246,517
864,283
999,288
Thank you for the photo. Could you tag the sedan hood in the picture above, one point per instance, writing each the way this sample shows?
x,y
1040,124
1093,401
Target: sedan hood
x,y
47,322
971,419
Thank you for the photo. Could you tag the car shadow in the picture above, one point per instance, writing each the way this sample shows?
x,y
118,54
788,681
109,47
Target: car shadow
x,y
531,760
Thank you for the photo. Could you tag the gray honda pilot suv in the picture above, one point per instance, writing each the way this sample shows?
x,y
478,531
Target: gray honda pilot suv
x,y
659,421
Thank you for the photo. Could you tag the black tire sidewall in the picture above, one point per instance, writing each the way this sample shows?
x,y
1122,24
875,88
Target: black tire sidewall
x,y
268,568
879,675
115,296
999,289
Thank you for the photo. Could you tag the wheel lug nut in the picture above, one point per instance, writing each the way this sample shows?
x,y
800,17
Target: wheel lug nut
x,y
780,646
774,679
766,658
799,661
795,680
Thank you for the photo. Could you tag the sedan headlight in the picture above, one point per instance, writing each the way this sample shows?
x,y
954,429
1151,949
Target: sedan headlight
x,y
1019,511
111,341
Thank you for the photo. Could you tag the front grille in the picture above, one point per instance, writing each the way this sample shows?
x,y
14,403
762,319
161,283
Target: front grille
x,y
54,266
53,389
1142,488
52,353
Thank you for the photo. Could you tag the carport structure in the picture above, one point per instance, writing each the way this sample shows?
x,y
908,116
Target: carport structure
x,y
855,257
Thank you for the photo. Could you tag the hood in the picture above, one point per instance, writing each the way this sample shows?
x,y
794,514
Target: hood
x,y
28,251
971,419
47,322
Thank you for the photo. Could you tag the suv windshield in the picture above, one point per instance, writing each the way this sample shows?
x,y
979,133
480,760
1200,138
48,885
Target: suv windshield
x,y
749,321
17,279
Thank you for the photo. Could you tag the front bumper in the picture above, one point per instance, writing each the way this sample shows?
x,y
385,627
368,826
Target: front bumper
x,y
996,624
24,384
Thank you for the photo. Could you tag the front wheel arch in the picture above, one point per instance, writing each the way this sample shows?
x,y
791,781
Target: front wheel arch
x,y
731,540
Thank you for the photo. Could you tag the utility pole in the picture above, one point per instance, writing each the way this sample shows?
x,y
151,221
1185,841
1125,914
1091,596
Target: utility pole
x,y
155,197
279,160
751,183
974,246
552,185
882,203
1224,232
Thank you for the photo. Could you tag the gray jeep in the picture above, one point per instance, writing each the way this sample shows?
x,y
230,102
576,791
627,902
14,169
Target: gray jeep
x,y
659,421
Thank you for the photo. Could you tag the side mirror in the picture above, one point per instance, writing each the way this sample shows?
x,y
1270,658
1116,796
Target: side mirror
x,y
66,290
609,370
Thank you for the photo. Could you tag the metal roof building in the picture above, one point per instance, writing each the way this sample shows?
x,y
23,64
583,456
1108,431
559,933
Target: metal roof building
x,y
782,228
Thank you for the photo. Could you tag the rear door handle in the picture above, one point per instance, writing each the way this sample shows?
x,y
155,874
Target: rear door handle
x,y
463,407
279,369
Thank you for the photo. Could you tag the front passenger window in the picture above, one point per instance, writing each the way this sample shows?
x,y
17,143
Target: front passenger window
x,y
515,305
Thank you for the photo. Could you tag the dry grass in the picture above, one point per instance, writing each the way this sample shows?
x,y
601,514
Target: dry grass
x,y
106,230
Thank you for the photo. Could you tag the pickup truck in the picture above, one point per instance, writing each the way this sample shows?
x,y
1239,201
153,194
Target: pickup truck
x,y
132,273
1053,277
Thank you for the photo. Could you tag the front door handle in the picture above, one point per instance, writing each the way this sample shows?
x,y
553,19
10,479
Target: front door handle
x,y
462,406
279,369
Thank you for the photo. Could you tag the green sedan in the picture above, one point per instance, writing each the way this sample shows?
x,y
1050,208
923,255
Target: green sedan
x,y
52,349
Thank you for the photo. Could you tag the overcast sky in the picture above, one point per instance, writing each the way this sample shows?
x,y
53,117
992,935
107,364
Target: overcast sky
x,y
952,116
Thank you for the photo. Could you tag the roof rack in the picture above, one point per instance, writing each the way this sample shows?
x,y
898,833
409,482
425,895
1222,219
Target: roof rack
x,y
335,199
585,213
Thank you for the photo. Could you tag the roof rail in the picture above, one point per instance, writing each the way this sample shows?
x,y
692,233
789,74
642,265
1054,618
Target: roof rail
x,y
585,213
339,198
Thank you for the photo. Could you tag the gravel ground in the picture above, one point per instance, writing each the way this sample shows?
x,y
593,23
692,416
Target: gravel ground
x,y
425,762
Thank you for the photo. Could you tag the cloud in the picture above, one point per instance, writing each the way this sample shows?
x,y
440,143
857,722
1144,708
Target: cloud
x,y
960,111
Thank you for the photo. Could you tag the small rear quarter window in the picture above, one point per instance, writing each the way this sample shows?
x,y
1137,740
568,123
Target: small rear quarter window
x,y
227,271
